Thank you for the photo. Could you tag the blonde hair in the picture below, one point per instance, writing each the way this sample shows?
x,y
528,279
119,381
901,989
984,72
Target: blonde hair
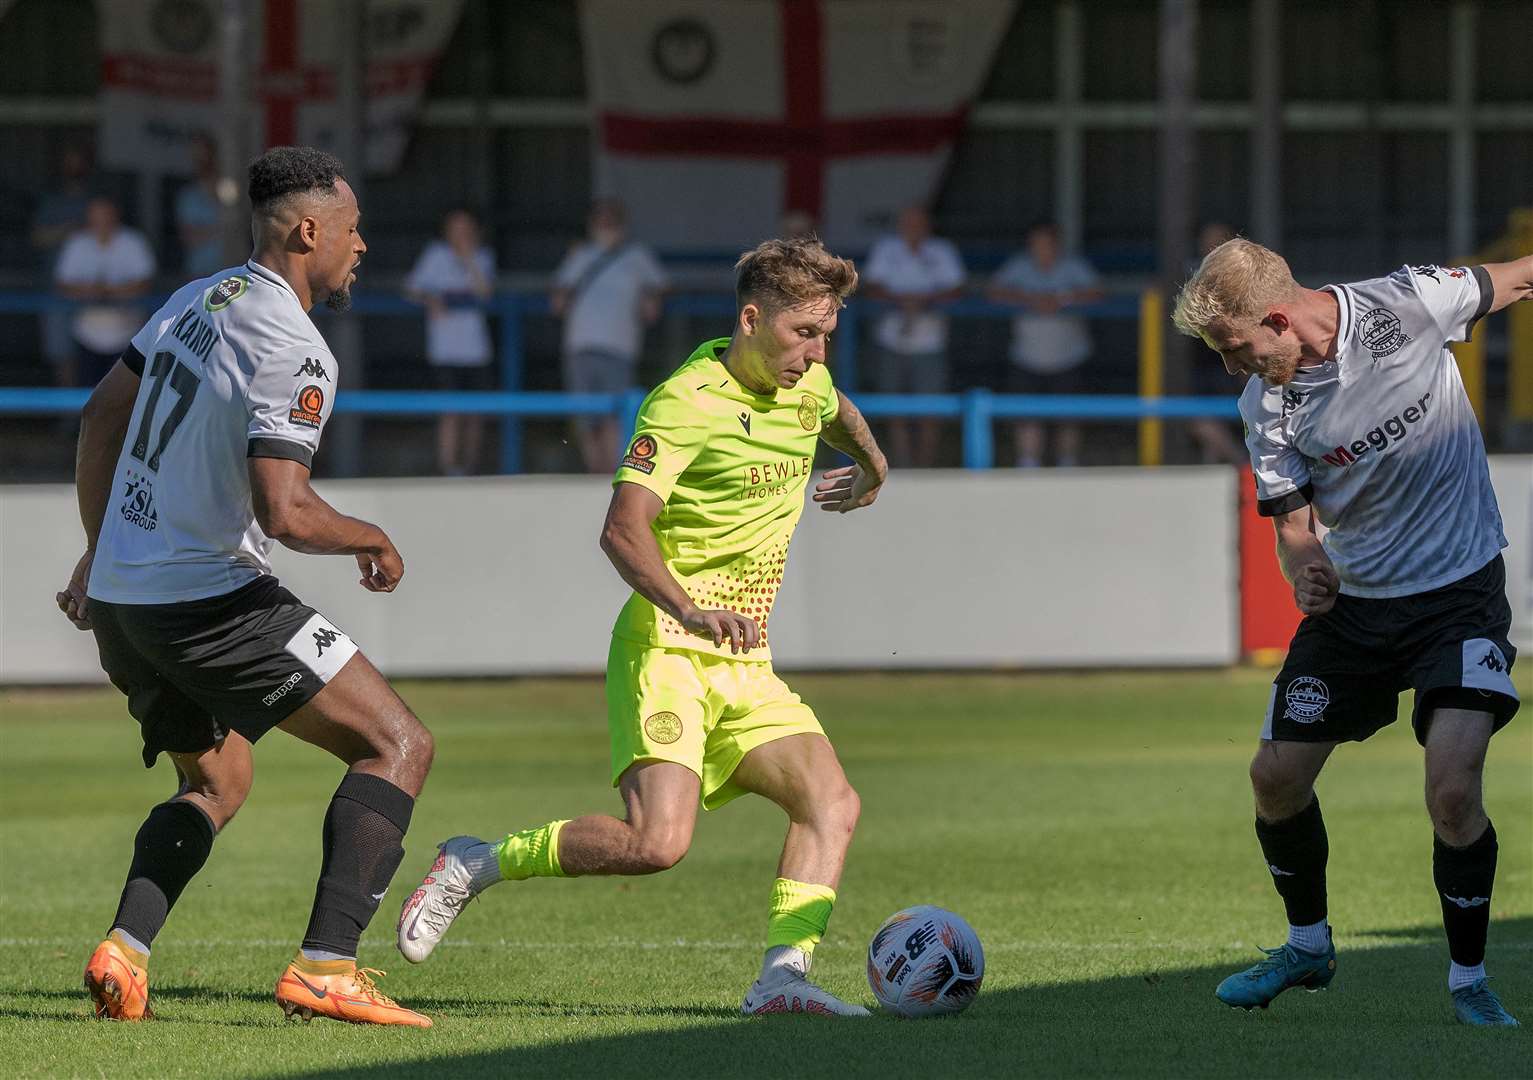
x,y
1238,281
778,274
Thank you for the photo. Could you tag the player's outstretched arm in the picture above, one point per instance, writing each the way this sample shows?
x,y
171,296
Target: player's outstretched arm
x,y
628,539
103,426
1513,281
851,486
292,513
1305,563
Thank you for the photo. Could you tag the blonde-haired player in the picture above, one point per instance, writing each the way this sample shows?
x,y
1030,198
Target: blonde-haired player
x,y
705,502
1356,418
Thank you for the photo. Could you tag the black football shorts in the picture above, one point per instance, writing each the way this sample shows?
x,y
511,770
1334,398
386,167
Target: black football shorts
x,y
1347,668
196,670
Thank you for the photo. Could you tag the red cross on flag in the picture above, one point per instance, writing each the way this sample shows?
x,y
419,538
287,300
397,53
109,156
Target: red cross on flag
x,y
159,78
713,118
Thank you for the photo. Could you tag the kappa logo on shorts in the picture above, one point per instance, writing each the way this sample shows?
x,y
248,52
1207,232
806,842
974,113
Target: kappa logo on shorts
x,y
281,692
1306,700
663,727
1492,659
1485,668
321,647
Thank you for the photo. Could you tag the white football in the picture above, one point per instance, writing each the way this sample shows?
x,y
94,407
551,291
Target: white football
x,y
925,961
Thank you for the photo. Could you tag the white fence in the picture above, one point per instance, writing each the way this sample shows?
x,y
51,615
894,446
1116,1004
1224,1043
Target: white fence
x,y
1077,568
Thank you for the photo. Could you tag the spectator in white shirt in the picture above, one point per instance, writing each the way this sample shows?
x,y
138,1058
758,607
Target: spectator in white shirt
x,y
199,215
606,290
915,272
105,267
453,278
1050,343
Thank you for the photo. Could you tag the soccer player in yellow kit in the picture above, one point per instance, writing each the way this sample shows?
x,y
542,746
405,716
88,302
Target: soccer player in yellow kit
x,y
704,504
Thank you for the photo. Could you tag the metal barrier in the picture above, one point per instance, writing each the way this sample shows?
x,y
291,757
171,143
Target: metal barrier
x,y
975,410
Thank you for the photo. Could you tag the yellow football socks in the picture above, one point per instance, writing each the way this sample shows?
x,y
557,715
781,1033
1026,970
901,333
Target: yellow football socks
x,y
530,853
800,912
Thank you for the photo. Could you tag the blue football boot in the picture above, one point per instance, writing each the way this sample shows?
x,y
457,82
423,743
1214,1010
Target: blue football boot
x,y
1478,1005
1285,967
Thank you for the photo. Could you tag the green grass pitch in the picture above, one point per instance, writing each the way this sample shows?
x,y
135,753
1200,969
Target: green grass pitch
x,y
1095,829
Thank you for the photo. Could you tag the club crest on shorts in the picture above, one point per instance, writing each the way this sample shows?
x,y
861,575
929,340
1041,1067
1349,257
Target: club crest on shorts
x,y
1306,700
663,727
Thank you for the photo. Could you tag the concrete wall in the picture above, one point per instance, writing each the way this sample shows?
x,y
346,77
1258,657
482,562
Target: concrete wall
x,y
1096,567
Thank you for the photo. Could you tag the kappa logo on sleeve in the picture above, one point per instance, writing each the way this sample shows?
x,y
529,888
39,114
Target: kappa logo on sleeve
x,y
307,407
641,455
313,369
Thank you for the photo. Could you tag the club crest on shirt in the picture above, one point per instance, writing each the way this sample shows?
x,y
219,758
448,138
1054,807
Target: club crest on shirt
x,y
1379,330
1306,700
306,409
641,454
808,412
226,292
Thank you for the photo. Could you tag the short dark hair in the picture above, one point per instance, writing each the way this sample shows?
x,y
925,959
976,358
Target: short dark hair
x,y
290,170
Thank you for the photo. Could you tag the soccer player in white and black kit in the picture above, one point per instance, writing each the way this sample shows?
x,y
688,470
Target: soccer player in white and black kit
x,y
193,460
1356,418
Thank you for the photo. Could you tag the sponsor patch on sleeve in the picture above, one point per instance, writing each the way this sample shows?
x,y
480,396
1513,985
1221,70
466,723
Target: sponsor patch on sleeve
x,y
321,647
307,407
641,455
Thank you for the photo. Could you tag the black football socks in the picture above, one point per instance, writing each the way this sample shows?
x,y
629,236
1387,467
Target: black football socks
x,y
364,834
1296,850
171,846
1464,877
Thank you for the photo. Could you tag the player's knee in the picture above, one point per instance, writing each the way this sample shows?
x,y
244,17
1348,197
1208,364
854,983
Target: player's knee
x,y
1279,792
661,849
1454,802
844,807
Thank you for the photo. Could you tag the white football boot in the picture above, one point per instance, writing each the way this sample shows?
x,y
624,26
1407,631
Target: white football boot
x,y
792,992
437,901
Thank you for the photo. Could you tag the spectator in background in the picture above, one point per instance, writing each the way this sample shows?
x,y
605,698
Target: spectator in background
x,y
606,290
106,267
797,225
198,213
60,213
916,272
1215,439
1050,344
453,277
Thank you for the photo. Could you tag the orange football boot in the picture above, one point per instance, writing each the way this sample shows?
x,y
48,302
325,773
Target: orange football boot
x,y
342,991
117,979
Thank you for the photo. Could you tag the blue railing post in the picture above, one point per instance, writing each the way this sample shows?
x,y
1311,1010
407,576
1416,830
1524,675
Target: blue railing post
x,y
847,339
628,403
978,433
513,351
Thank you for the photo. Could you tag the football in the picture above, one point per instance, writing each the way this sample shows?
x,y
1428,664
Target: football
x,y
925,961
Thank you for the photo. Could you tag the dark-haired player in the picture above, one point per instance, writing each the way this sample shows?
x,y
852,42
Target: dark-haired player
x,y
704,505
1356,418
193,460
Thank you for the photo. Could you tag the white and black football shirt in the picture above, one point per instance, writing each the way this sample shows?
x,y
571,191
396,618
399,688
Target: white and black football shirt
x,y
231,367
1383,440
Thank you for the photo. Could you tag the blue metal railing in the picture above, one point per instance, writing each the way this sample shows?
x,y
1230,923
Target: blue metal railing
x,y
975,410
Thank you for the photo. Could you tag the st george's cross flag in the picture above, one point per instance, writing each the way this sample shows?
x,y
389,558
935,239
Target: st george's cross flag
x,y
713,118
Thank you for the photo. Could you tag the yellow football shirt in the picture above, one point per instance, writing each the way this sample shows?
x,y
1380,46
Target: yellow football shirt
x,y
731,466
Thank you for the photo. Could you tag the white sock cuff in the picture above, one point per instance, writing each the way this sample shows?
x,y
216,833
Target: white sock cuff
x,y
1460,976
1312,939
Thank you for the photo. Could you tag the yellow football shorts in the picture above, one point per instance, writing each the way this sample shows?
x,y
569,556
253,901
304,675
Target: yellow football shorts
x,y
699,710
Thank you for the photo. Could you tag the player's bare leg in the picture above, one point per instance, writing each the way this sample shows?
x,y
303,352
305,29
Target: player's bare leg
x,y
171,847
661,800
802,775
1295,849
1463,856
358,718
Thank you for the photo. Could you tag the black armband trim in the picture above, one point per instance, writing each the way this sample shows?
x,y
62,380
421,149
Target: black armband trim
x,y
1286,504
133,360
285,449
1487,297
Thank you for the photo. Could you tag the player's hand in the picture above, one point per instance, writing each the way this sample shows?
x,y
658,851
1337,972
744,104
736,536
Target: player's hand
x,y
381,569
719,626
72,601
848,488
1315,588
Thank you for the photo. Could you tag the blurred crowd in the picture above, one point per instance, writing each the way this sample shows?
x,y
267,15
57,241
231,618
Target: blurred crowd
x,y
606,293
